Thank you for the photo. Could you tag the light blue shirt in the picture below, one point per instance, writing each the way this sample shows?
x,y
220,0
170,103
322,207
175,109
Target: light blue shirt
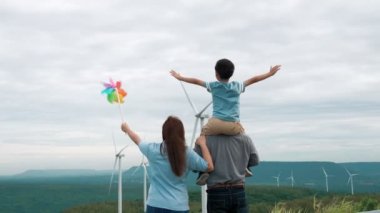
x,y
166,189
226,99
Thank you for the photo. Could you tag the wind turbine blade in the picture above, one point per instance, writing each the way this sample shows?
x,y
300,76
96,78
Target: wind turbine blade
x,y
188,98
324,171
194,131
123,149
114,143
349,179
113,171
134,171
204,108
347,171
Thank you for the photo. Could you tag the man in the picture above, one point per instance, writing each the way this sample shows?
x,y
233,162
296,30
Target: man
x,y
231,156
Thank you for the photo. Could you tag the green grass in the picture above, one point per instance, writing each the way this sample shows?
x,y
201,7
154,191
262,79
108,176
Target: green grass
x,y
330,204
267,199
75,198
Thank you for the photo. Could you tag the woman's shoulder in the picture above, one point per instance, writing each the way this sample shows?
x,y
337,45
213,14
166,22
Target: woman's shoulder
x,y
151,146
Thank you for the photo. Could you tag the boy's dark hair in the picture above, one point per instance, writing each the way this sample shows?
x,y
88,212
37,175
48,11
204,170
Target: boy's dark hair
x,y
225,68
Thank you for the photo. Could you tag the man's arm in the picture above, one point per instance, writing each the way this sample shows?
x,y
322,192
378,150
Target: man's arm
x,y
195,81
255,79
254,159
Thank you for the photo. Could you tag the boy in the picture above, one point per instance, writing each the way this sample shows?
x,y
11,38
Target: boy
x,y
225,96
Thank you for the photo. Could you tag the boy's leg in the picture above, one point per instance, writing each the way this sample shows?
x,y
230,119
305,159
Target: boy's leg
x,y
216,126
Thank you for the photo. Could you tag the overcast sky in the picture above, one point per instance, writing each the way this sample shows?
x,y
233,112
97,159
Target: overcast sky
x,y
323,105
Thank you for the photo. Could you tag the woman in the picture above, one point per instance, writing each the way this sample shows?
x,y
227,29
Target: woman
x,y
169,164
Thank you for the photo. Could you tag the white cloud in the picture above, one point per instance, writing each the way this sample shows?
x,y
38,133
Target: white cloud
x,y
54,55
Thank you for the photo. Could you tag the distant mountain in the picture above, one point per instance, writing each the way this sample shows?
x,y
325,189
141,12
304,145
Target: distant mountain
x,y
310,174
60,173
363,168
306,175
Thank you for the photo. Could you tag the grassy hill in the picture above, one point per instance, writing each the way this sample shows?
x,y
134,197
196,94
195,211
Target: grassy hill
x,y
72,198
56,190
263,199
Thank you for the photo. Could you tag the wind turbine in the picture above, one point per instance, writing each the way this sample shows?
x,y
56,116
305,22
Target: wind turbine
x,y
118,156
199,118
143,164
351,179
291,178
277,179
327,181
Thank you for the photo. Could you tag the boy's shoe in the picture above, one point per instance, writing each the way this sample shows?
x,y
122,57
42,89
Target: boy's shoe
x,y
202,178
248,172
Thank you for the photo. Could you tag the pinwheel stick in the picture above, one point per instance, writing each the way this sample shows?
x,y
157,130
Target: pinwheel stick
x,y
119,103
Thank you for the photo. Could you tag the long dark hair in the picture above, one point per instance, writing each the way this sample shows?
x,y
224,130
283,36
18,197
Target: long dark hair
x,y
173,135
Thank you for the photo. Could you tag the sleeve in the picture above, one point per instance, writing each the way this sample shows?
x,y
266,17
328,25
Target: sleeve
x,y
253,155
208,86
144,148
241,87
195,162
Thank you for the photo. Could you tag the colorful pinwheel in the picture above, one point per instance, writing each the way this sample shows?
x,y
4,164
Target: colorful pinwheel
x,y
114,92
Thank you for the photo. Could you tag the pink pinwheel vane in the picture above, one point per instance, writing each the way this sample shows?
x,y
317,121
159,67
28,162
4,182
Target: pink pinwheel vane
x,y
114,92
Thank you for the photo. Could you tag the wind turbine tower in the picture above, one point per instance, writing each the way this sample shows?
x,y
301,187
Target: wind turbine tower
x,y
292,179
143,164
118,156
326,177
351,179
199,118
277,179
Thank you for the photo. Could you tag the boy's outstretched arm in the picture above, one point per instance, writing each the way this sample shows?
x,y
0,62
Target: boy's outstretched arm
x,y
261,77
195,81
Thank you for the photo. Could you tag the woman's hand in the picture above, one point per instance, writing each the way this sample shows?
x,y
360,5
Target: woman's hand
x,y
124,127
132,135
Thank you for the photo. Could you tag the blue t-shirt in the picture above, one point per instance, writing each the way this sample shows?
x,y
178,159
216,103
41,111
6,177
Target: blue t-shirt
x,y
166,189
225,98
